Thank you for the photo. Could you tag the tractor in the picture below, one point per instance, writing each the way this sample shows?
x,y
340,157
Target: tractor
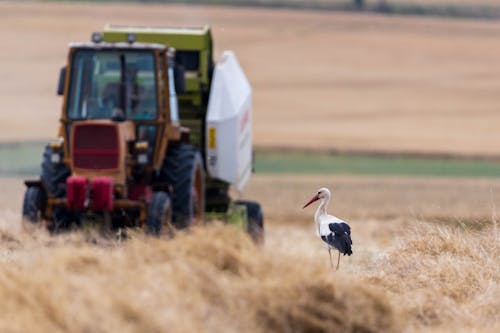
x,y
152,134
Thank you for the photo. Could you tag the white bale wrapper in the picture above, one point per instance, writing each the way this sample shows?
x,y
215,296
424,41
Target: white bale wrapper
x,y
229,123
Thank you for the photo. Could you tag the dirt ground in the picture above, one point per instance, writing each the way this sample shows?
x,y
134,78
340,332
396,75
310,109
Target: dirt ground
x,y
321,80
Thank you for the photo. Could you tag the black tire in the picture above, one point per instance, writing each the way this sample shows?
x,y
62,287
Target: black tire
x,y
159,221
255,219
31,205
183,170
54,177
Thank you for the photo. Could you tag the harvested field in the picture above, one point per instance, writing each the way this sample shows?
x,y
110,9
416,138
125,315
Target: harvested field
x,y
359,82
405,273
445,278
212,280
382,198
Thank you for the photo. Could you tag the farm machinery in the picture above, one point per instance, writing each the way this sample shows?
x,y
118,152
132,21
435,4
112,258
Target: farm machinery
x,y
152,134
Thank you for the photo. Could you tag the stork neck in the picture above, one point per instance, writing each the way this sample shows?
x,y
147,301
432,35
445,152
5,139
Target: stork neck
x,y
321,208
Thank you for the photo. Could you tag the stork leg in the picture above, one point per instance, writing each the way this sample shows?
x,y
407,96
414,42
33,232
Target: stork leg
x,y
330,253
338,261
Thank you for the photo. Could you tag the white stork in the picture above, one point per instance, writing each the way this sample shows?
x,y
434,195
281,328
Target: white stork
x,y
332,230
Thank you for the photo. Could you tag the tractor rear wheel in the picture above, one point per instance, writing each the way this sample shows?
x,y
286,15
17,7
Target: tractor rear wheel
x,y
31,205
183,170
255,219
159,221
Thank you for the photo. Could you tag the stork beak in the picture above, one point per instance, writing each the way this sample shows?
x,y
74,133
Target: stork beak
x,y
311,201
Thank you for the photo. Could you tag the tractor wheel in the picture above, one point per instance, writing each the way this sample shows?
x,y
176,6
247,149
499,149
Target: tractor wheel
x,y
54,177
183,170
159,221
31,205
255,219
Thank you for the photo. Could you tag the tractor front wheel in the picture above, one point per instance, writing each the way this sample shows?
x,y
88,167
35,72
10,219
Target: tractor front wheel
x,y
53,176
159,221
31,205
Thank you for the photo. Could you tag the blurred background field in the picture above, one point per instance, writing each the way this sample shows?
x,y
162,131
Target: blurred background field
x,y
358,82
489,9
397,114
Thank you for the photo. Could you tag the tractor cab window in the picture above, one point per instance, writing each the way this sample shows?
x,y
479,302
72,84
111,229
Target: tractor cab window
x,y
112,84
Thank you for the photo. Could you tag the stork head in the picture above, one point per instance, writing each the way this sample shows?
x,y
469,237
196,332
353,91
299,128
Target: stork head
x,y
323,193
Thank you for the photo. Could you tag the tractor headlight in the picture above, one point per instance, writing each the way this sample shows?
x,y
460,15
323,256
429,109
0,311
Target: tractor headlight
x,y
141,149
56,146
141,146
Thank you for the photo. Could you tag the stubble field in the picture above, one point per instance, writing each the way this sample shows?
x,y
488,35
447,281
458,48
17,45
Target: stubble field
x,y
423,261
426,255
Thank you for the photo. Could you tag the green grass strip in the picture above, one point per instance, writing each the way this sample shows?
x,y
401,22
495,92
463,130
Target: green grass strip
x,y
317,163
21,159
24,159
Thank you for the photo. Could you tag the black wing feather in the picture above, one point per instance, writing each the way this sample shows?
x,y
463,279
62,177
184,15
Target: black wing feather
x,y
340,238
340,227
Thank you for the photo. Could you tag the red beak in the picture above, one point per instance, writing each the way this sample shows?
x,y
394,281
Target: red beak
x,y
311,201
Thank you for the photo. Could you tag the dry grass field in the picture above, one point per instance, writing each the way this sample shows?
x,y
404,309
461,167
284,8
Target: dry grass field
x,y
408,271
322,80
